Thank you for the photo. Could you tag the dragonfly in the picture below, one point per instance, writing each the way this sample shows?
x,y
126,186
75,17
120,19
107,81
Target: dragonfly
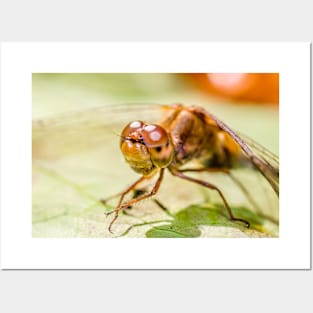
x,y
181,139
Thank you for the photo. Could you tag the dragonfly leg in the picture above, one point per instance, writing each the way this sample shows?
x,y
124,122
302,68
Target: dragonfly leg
x,y
210,186
233,178
136,194
135,200
123,193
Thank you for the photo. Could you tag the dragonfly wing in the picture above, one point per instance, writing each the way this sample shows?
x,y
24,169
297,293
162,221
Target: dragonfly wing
x,y
266,159
263,160
74,132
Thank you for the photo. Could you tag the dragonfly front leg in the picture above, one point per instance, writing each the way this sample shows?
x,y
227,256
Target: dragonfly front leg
x,y
131,202
180,174
122,195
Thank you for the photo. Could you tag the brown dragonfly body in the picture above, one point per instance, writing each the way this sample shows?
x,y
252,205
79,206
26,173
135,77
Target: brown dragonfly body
x,y
186,139
195,136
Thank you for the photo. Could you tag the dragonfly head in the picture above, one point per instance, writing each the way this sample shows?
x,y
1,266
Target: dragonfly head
x,y
146,147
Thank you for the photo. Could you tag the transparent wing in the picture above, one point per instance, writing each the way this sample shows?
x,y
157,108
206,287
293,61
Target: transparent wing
x,y
268,161
262,152
77,131
263,160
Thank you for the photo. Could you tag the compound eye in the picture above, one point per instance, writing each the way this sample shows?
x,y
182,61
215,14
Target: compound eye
x,y
159,145
131,128
154,136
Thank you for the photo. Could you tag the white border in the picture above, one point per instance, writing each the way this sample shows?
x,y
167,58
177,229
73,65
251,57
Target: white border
x,y
19,250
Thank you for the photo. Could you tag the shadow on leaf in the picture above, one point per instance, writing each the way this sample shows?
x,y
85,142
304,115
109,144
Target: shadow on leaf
x,y
186,222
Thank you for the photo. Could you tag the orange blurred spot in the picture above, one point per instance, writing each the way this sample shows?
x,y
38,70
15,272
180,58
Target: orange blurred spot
x,y
256,87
